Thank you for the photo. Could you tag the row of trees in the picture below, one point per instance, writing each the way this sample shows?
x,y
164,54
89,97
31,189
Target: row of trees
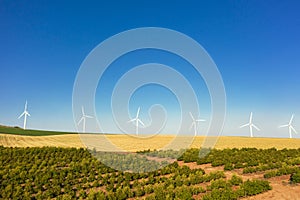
x,y
286,170
271,161
223,190
70,173
240,158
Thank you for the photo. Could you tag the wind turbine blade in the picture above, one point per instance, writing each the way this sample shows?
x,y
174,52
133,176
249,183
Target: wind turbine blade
x,y
138,112
192,116
87,116
282,126
244,125
132,120
256,127
25,108
200,120
21,115
251,116
28,114
141,122
193,124
80,120
294,129
82,110
291,120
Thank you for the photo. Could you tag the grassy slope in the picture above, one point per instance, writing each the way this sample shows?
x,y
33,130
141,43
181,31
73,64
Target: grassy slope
x,y
20,131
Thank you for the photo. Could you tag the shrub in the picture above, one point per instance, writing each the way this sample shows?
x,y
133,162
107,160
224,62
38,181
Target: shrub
x,y
217,184
270,174
254,187
227,193
238,165
183,193
295,178
228,167
235,180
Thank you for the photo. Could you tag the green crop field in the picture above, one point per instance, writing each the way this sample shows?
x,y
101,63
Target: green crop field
x,y
20,131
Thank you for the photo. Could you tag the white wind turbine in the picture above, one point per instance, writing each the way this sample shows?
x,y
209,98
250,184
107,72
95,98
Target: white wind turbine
x,y
137,121
25,114
83,119
291,128
195,123
251,125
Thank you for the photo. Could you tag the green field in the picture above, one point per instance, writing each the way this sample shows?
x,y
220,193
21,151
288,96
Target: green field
x,y
20,131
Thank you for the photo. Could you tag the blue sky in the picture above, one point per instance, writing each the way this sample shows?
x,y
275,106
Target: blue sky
x,y
255,45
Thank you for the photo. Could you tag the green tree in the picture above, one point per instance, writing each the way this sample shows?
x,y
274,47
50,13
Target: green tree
x,y
235,180
295,177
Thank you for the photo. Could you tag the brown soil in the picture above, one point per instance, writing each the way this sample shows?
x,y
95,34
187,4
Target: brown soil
x,y
281,189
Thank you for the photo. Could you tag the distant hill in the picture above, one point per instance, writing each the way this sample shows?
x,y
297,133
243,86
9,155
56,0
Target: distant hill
x,y
19,131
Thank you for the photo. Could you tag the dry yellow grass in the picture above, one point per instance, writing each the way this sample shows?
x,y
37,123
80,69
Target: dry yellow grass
x,y
8,140
261,143
129,143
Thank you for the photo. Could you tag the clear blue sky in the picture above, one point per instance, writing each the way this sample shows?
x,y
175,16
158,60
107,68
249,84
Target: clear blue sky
x,y
255,44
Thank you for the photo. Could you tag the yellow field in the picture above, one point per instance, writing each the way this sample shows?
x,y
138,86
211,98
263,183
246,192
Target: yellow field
x,y
40,141
129,143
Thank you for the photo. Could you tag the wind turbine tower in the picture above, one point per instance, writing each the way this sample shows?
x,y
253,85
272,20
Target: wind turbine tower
x,y
137,121
195,123
25,114
291,128
83,119
251,125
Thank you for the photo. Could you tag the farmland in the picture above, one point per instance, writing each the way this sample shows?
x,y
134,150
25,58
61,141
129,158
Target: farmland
x,y
133,144
58,166
69,173
20,131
